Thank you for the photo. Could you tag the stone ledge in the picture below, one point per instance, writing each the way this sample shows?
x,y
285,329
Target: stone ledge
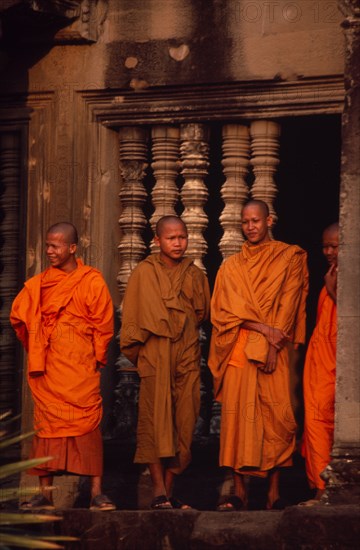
x,y
321,527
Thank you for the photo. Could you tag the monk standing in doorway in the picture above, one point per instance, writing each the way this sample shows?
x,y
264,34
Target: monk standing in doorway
x,y
64,319
166,300
257,312
320,375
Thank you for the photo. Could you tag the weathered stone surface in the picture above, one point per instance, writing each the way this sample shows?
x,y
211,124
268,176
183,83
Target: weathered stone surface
x,y
319,527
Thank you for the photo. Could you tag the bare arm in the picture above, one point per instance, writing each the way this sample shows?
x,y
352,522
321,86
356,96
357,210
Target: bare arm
x,y
275,336
331,282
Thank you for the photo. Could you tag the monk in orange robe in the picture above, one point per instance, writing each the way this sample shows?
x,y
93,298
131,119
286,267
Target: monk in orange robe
x,y
320,375
166,299
257,312
64,319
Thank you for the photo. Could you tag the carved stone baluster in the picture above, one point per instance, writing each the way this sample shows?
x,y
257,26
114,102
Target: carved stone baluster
x,y
234,192
10,163
133,162
194,153
165,149
265,159
236,153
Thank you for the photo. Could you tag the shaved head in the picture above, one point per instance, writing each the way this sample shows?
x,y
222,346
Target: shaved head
x,y
67,229
333,228
261,204
167,220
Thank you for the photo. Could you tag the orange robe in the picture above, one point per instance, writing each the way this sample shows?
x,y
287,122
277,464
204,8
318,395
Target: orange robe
x,y
266,283
162,310
65,322
319,391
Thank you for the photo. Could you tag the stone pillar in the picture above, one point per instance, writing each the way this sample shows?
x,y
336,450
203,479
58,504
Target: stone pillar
x,y
10,163
234,192
265,145
165,165
194,155
194,152
133,155
343,473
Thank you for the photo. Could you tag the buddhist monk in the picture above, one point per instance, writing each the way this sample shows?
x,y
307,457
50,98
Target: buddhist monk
x,y
257,312
166,299
319,375
64,319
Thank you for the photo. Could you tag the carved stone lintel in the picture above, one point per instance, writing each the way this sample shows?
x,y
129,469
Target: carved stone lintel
x,y
194,151
165,165
53,21
234,192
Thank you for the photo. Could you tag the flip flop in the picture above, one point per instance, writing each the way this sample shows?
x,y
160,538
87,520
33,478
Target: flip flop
x,y
37,502
230,503
311,502
161,502
102,503
178,505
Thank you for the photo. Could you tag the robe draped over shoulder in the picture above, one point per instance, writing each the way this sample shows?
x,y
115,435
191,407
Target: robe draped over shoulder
x,y
268,284
319,391
65,322
162,307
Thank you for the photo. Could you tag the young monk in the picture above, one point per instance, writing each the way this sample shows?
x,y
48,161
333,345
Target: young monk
x,y
319,375
64,319
257,312
166,299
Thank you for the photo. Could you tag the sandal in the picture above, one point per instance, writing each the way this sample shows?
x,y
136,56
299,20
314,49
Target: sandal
x,y
178,505
102,503
161,502
230,504
311,502
37,502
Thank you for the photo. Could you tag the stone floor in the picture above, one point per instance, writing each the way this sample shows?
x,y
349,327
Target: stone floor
x,y
296,528
200,485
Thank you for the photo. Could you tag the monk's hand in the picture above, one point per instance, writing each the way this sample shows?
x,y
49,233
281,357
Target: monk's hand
x,y
276,337
271,361
331,281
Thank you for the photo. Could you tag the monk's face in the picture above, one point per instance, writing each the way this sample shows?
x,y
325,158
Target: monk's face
x,y
173,241
60,252
331,245
255,224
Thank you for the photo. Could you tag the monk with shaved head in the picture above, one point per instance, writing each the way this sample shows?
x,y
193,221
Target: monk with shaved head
x,y
166,300
64,319
320,374
258,313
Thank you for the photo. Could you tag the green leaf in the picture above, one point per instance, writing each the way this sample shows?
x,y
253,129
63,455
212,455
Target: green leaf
x,y
15,439
59,538
17,467
9,518
22,541
11,493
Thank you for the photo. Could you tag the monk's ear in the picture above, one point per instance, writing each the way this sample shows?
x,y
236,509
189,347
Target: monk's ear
x,y
157,240
72,248
269,221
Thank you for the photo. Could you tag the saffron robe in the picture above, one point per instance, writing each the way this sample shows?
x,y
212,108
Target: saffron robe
x,y
265,283
162,311
65,322
319,391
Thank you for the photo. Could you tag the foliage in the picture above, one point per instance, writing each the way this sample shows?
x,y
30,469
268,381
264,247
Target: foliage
x,y
14,526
